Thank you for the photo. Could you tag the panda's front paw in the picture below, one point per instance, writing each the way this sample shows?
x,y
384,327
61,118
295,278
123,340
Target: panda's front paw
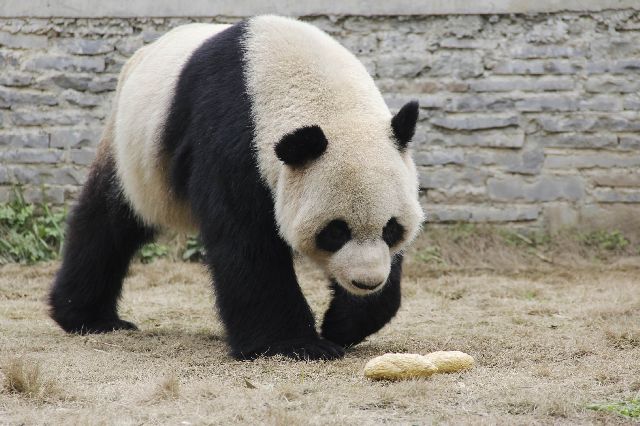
x,y
96,326
346,333
303,349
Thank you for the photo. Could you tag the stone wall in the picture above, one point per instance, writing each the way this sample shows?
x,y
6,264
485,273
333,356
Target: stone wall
x,y
525,118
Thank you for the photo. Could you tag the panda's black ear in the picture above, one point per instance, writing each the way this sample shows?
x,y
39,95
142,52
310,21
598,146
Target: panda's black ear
x,y
404,124
301,146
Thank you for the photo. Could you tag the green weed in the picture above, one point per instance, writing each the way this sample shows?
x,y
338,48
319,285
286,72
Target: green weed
x,y
629,408
30,233
605,240
430,254
193,251
152,251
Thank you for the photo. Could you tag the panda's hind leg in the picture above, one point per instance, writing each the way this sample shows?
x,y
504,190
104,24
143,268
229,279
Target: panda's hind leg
x,y
102,236
350,319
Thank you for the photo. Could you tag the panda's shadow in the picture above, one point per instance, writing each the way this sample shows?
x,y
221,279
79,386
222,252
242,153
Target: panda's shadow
x,y
163,342
171,342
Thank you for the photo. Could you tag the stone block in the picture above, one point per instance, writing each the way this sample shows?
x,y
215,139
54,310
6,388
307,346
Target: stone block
x,y
81,46
619,216
50,176
6,194
22,139
75,138
480,103
523,84
631,102
629,142
434,157
619,66
559,216
65,63
4,175
22,41
617,179
480,213
528,51
589,161
15,79
128,46
537,67
480,138
83,156
396,101
601,103
9,58
551,31
72,81
13,97
400,65
82,99
457,64
611,84
618,195
468,43
52,118
360,44
34,156
394,41
103,83
446,178
149,36
575,140
547,103
47,194
545,188
512,214
528,161
618,122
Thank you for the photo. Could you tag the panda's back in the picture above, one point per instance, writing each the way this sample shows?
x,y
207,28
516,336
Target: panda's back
x,y
142,104
285,74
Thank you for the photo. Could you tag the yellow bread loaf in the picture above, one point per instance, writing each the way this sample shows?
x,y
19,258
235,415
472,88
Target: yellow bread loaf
x,y
399,367
411,366
450,361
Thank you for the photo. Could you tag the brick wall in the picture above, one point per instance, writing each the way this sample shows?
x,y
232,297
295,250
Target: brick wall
x,y
525,118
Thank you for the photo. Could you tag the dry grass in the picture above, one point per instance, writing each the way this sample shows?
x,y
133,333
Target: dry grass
x,y
24,377
548,340
167,388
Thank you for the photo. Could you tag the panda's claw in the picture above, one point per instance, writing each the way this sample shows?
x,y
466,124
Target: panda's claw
x,y
101,326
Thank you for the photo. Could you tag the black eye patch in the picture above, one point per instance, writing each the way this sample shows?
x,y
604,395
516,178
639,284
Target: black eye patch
x,y
333,236
392,232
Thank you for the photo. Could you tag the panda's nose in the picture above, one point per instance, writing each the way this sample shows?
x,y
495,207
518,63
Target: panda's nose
x,y
363,286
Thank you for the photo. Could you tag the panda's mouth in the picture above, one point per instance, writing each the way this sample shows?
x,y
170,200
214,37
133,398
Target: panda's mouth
x,y
362,286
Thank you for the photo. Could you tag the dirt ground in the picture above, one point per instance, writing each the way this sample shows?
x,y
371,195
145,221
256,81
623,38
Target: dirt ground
x,y
547,344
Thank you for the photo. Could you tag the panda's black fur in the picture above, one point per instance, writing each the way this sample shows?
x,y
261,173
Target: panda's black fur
x,y
257,293
102,236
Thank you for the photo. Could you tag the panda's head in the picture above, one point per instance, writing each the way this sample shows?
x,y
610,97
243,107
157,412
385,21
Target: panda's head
x,y
347,196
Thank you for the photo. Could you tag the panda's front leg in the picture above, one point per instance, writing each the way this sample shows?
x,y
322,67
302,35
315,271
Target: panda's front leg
x,y
259,299
350,318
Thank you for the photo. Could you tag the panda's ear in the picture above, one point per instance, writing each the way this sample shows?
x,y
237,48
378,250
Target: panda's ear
x,y
404,122
301,146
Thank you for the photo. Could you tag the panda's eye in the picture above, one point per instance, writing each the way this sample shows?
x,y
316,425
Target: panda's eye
x,y
392,232
333,236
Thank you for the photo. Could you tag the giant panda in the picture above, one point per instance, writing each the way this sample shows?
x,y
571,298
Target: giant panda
x,y
269,139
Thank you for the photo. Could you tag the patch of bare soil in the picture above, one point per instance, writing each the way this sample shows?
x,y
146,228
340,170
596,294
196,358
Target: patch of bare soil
x,y
547,342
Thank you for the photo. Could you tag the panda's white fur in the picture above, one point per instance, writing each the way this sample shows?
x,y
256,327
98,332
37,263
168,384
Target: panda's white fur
x,y
296,75
141,106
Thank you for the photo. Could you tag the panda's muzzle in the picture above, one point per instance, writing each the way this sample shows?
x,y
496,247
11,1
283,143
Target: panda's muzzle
x,y
362,286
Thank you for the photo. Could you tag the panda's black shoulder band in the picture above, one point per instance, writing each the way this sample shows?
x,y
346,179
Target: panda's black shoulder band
x,y
301,146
